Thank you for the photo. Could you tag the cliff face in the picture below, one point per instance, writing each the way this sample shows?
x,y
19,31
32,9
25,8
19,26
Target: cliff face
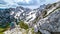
x,y
50,22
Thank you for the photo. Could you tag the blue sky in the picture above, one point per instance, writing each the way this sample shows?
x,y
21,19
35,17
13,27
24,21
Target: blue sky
x,y
25,3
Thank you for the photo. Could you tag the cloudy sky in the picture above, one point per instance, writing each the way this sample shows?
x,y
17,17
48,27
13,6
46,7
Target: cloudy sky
x,y
25,3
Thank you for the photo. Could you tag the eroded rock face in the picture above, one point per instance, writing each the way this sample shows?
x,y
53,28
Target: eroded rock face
x,y
51,23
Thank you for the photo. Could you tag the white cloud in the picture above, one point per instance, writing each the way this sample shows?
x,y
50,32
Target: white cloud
x,y
26,1
17,1
13,3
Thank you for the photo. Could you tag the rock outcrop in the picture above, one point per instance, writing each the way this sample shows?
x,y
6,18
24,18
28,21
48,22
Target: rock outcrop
x,y
50,23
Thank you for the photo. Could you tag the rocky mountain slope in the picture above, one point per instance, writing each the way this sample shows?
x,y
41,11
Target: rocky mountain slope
x,y
44,19
50,22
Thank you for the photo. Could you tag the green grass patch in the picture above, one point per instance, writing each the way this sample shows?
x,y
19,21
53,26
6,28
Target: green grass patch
x,y
23,25
4,28
1,29
1,33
